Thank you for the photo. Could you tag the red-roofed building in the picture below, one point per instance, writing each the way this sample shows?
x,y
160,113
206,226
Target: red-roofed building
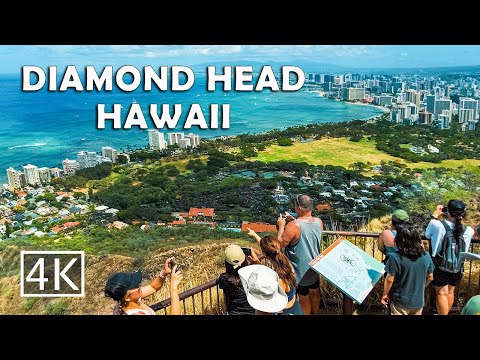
x,y
64,193
63,227
324,207
176,223
258,227
21,194
202,216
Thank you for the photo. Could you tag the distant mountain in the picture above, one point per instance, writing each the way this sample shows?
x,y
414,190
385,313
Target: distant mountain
x,y
317,67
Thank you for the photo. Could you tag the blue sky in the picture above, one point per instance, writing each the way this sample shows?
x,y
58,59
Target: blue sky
x,y
13,57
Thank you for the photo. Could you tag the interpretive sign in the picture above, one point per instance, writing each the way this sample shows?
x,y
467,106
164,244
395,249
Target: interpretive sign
x,y
349,268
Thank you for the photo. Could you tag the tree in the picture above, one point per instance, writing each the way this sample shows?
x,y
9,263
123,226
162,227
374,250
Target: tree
x,y
18,209
285,142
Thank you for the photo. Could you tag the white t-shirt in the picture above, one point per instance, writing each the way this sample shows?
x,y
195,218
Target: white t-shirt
x,y
435,232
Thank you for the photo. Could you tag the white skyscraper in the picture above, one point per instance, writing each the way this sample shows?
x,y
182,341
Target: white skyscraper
x,y
70,166
31,174
184,143
110,153
175,137
156,140
443,104
44,175
194,139
87,159
16,178
468,103
465,115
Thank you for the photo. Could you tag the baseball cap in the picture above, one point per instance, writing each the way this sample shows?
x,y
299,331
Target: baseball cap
x,y
262,288
234,255
119,283
400,215
456,207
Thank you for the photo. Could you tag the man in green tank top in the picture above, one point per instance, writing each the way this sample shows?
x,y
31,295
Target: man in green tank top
x,y
301,239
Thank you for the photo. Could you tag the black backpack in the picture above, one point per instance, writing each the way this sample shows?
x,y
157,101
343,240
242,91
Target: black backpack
x,y
448,258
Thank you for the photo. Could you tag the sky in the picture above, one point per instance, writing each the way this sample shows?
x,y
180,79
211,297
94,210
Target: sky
x,y
13,57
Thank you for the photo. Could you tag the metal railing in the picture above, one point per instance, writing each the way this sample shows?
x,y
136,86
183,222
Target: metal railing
x,y
205,299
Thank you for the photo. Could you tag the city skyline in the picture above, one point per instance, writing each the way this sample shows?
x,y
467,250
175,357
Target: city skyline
x,y
13,57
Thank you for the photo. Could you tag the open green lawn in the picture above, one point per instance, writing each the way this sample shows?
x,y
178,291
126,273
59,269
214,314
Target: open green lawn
x,y
342,152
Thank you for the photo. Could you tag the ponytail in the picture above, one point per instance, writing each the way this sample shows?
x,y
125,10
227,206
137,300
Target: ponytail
x,y
280,263
458,230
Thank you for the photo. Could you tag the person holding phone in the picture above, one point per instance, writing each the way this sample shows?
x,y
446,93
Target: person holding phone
x,y
229,281
126,289
445,282
301,239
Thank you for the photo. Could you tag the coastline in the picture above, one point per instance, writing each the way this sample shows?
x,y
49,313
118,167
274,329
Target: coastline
x,y
47,151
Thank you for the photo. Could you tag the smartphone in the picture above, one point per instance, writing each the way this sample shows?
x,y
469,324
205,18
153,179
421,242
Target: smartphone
x,y
247,251
282,210
172,263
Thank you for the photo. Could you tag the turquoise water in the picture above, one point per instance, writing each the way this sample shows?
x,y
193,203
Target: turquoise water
x,y
43,128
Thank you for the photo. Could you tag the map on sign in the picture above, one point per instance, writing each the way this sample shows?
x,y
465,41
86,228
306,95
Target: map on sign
x,y
349,268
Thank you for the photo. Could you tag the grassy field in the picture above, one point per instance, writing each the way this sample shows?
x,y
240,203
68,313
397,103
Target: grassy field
x,y
342,152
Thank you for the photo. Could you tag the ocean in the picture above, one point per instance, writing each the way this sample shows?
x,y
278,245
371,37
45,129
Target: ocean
x,y
43,128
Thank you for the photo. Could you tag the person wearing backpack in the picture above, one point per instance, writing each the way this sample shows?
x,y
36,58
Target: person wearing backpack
x,y
448,238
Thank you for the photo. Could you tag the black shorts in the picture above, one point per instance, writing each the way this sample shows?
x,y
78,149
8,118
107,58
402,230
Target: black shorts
x,y
442,278
304,290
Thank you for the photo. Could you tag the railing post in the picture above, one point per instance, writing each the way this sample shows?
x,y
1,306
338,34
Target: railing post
x,y
347,305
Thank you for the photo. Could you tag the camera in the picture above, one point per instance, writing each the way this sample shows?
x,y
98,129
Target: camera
x,y
247,251
444,209
179,266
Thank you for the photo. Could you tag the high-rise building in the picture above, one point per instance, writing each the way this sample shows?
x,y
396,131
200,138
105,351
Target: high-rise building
x,y
156,140
465,115
16,178
468,103
87,159
383,100
194,139
175,137
443,104
56,172
110,153
444,119
424,118
70,166
44,175
431,103
472,125
184,143
31,174
352,94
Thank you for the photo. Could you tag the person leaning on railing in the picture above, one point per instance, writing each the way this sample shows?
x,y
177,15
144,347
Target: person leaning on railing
x,y
125,289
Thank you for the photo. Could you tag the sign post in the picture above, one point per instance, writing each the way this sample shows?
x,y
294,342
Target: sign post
x,y
350,269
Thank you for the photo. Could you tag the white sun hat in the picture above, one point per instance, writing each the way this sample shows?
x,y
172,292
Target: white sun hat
x,y
262,288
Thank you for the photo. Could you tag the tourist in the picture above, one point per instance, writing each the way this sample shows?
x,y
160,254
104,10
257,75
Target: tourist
x,y
229,281
386,239
126,289
271,248
472,307
445,282
264,293
301,238
409,270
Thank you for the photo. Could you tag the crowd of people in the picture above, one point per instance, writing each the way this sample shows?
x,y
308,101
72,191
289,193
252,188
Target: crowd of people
x,y
287,285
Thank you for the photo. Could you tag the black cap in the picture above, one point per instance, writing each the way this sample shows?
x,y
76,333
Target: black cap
x,y
456,207
119,283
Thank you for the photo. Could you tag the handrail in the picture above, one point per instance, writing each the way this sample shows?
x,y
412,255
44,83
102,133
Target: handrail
x,y
212,283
